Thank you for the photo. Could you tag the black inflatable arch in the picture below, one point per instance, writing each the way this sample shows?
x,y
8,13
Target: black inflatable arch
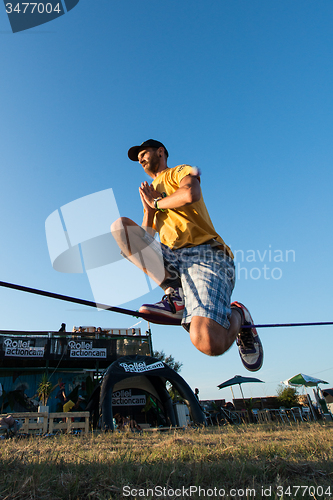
x,y
151,375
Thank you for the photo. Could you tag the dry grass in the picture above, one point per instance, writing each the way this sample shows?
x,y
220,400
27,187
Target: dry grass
x,y
98,466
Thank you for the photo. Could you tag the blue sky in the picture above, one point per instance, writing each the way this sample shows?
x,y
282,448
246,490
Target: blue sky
x,y
241,89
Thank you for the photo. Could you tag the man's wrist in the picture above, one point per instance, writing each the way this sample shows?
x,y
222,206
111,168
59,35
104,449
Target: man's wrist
x,y
156,200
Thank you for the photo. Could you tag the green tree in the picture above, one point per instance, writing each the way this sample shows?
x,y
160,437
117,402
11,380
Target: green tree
x,y
287,396
169,360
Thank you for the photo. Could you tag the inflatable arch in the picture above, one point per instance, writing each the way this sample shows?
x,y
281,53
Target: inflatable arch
x,y
151,375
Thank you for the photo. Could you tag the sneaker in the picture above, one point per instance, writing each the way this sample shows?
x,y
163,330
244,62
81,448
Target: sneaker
x,y
171,306
248,341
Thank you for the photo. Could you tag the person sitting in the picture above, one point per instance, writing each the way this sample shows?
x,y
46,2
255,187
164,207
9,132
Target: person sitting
x,y
9,424
229,406
119,421
126,423
131,424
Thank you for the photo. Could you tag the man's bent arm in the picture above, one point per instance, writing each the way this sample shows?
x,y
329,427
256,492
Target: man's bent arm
x,y
188,192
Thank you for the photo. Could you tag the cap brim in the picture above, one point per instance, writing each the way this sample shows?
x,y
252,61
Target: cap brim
x,y
133,153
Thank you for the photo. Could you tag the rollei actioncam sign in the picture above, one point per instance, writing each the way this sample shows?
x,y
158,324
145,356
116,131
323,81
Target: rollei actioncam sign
x,y
21,348
85,349
125,398
141,367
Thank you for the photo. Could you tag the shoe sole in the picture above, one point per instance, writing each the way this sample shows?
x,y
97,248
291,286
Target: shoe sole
x,y
255,366
178,316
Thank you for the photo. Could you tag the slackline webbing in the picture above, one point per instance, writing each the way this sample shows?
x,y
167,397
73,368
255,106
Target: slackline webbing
x,y
148,317
275,325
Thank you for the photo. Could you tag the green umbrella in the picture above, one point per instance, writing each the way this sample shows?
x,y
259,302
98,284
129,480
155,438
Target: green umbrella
x,y
304,380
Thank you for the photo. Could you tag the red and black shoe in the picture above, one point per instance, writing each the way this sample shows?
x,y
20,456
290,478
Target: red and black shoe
x,y
171,306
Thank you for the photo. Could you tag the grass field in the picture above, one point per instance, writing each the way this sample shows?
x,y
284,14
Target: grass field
x,y
246,461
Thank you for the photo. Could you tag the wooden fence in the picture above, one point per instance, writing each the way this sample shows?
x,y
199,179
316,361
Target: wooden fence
x,y
33,422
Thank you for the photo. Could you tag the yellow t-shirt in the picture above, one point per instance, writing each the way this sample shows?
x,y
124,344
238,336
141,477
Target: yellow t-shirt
x,y
187,226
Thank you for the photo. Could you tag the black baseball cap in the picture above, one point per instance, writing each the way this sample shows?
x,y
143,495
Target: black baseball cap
x,y
151,143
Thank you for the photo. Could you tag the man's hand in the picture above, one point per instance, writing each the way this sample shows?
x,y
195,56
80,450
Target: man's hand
x,y
187,193
148,194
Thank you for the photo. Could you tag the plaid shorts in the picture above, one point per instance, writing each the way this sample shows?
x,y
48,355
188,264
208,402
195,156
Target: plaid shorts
x,y
208,279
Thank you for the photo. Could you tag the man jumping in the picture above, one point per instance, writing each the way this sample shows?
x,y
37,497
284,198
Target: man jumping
x,y
192,264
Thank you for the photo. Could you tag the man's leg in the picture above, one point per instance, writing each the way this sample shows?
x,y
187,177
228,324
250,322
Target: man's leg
x,y
207,335
211,338
136,246
143,251
213,323
140,248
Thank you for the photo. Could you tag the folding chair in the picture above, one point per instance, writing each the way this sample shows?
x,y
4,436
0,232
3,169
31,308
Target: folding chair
x,y
306,413
297,414
282,415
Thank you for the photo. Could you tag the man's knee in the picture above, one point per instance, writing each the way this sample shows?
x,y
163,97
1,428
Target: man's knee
x,y
206,342
120,224
207,345
208,339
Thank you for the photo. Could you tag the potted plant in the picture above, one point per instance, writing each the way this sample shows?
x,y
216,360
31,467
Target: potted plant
x,y
43,391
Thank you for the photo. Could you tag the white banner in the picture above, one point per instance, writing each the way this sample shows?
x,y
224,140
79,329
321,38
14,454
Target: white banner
x,y
22,349
85,349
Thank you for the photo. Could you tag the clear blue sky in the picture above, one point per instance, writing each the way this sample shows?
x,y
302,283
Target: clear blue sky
x,y
241,89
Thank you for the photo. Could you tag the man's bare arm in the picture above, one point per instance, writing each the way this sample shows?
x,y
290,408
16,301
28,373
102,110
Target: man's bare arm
x,y
188,192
